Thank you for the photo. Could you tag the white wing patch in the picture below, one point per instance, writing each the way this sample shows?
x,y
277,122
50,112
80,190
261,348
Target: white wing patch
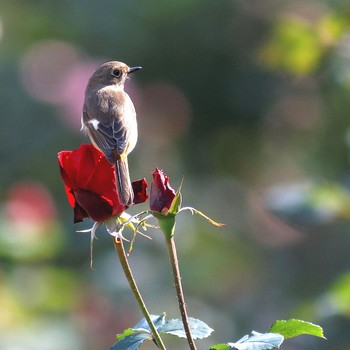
x,y
94,123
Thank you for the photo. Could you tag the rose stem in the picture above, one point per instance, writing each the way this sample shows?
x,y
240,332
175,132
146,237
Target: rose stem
x,y
119,247
170,242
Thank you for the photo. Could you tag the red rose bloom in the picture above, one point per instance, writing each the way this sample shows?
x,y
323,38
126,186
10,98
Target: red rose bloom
x,y
90,184
162,194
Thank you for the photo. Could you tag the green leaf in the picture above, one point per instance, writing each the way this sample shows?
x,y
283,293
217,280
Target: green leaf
x,y
131,342
220,347
293,328
132,338
258,341
158,321
199,329
126,333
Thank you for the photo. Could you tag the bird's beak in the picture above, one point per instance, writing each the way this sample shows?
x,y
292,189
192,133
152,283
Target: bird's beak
x,y
134,69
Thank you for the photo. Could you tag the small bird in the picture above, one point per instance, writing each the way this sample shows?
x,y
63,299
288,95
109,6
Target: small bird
x,y
109,118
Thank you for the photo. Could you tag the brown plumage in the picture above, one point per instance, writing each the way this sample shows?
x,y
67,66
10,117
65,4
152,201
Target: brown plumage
x,y
109,119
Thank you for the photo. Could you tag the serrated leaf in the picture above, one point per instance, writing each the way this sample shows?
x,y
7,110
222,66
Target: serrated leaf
x,y
258,341
293,328
199,329
158,321
132,338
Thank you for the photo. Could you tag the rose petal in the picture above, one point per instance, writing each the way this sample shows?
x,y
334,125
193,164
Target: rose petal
x,y
90,184
79,213
140,191
162,194
97,207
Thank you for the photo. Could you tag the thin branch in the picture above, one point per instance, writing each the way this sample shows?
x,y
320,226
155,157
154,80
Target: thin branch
x,y
170,242
119,247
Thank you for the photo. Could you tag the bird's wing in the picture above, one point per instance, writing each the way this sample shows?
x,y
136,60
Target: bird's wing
x,y
109,124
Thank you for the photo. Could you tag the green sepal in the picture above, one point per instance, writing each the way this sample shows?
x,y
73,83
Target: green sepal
x,y
167,224
176,203
167,221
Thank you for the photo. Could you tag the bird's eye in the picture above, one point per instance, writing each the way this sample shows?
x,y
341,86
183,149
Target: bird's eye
x,y
116,73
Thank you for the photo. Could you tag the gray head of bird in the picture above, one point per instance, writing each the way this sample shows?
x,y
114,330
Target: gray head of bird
x,y
111,73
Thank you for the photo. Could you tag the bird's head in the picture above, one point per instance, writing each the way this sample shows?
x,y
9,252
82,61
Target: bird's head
x,y
112,73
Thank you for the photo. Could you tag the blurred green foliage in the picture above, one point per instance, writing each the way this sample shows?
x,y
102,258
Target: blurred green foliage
x,y
248,100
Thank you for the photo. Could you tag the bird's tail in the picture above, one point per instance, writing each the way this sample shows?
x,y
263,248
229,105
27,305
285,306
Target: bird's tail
x,y
124,187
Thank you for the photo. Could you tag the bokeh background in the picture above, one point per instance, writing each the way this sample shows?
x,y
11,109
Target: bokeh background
x,y
248,100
